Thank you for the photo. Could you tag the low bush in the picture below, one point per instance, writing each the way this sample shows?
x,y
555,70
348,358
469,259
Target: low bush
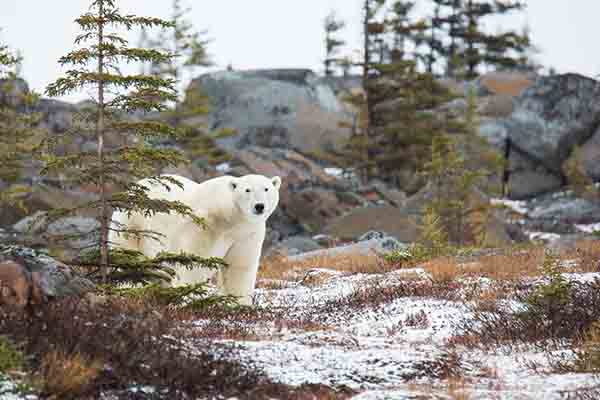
x,y
136,343
587,358
194,297
554,311
66,376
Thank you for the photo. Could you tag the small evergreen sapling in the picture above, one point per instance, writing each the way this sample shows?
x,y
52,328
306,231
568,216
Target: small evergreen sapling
x,y
461,173
577,178
453,187
114,170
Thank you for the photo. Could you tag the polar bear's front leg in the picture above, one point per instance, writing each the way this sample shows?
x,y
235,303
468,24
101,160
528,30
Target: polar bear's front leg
x,y
239,277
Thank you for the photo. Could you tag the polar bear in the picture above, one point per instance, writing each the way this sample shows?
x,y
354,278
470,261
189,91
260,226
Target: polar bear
x,y
235,210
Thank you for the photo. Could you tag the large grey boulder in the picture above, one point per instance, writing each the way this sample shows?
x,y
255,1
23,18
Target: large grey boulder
x,y
567,208
74,232
273,108
529,178
295,245
553,115
549,118
379,245
54,279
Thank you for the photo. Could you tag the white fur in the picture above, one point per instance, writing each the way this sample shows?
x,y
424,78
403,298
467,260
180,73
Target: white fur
x,y
235,230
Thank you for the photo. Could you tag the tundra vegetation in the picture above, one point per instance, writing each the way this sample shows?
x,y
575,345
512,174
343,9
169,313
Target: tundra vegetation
x,y
146,340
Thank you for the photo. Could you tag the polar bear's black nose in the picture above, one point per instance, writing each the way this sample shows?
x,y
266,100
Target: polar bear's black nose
x,y
260,207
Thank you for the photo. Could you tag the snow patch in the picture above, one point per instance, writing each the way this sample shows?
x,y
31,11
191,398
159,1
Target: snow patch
x,y
518,206
543,236
589,228
223,167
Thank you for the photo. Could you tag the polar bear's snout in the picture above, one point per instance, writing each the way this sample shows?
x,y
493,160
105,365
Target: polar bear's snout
x,y
259,208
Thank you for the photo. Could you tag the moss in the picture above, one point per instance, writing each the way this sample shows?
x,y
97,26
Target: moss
x,y
10,358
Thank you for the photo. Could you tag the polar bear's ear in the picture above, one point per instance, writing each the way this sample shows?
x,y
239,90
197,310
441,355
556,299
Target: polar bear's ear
x,y
276,182
233,184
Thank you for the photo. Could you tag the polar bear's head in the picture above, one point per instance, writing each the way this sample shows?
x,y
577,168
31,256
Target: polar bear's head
x,y
256,196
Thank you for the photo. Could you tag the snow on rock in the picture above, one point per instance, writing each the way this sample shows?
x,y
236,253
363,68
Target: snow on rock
x,y
339,173
547,237
223,167
589,228
518,206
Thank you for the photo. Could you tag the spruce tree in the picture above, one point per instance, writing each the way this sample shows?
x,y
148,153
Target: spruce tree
x,y
433,37
403,97
459,169
361,145
452,185
448,19
400,24
504,49
405,124
332,25
94,65
191,47
358,151
17,129
406,32
577,179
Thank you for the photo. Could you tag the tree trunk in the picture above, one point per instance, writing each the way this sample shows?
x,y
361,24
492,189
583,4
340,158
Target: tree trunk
x,y
365,77
471,58
104,211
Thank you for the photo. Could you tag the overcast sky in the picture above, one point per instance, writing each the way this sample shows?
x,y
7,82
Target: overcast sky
x,y
280,33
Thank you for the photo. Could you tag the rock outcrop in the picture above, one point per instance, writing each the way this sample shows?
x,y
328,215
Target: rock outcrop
x,y
403,222
549,118
291,108
310,197
28,276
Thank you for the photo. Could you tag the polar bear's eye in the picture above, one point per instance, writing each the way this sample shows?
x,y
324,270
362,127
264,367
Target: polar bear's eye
x,y
247,190
266,189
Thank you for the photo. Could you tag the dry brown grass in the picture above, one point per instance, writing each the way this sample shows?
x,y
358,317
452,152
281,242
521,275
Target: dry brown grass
x,y
505,264
584,256
67,376
457,389
587,252
278,267
509,266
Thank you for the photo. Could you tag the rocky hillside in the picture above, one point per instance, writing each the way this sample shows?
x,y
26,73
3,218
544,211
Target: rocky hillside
x,y
282,117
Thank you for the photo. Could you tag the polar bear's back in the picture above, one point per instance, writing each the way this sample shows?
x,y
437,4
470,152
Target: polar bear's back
x,y
204,195
170,191
162,223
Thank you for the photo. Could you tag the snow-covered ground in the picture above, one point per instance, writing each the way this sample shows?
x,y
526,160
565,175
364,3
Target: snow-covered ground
x,y
390,350
387,347
9,390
